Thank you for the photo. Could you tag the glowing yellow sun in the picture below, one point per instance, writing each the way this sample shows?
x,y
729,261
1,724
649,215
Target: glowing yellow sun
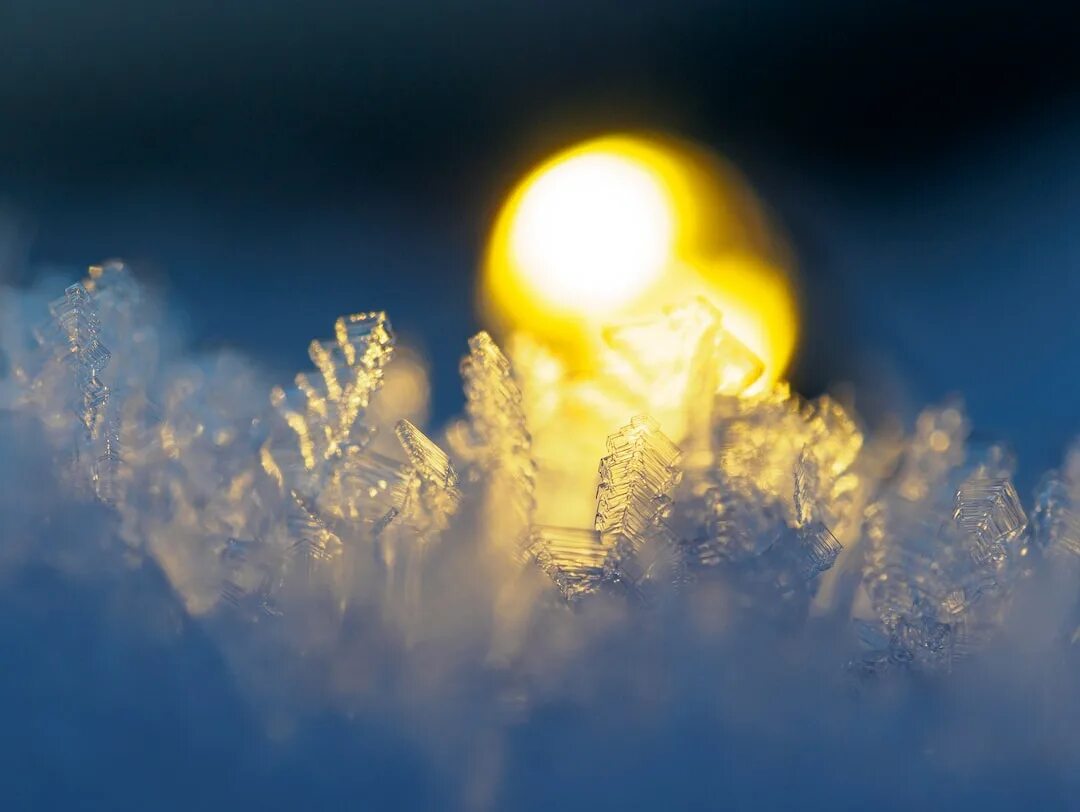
x,y
592,230
620,226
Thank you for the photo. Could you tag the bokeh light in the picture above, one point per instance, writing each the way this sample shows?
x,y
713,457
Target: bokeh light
x,y
591,230
620,226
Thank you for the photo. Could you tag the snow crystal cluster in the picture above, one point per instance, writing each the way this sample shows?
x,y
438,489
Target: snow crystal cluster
x,y
313,501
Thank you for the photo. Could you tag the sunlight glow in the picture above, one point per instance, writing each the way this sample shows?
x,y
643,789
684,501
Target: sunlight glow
x,y
618,228
592,230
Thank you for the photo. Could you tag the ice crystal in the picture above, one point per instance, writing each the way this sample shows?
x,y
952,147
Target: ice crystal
x,y
574,558
319,498
735,523
988,512
251,576
75,343
311,538
741,531
431,494
1056,519
762,439
73,381
495,441
671,352
637,478
674,364
324,411
818,549
944,543
760,508
630,543
106,472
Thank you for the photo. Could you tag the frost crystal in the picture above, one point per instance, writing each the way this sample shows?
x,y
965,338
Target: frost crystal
x,y
764,438
431,494
324,412
74,381
495,440
252,576
1056,519
574,558
321,503
674,364
988,512
944,544
818,549
742,530
106,473
77,326
762,506
670,353
735,523
635,478
634,498
311,538
631,543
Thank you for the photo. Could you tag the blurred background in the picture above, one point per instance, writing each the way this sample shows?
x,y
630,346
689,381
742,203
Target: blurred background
x,y
276,163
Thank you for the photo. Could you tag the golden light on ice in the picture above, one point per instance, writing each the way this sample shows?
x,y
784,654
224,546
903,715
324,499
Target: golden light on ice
x,y
621,226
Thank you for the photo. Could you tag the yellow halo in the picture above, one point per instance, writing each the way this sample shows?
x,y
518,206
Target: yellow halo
x,y
621,226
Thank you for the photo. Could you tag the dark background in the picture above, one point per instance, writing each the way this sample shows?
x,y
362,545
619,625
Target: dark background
x,y
278,163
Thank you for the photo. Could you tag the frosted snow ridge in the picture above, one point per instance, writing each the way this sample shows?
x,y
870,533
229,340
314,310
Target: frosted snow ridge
x,y
329,526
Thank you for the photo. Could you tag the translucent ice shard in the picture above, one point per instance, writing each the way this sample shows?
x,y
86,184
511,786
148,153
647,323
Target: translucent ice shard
x,y
324,412
737,524
807,489
674,364
763,439
431,495
763,515
1056,519
923,640
574,558
742,529
427,459
129,323
428,495
943,543
74,340
630,543
318,456
916,641
67,381
363,486
989,511
493,403
495,440
818,549
637,477
252,575
311,538
59,365
106,471
664,352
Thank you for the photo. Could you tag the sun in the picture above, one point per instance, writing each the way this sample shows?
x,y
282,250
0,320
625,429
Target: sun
x,y
591,230
620,226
